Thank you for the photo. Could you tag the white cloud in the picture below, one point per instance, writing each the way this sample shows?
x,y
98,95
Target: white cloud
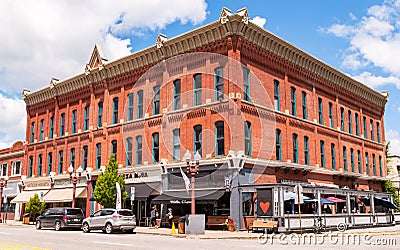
x,y
398,109
352,16
340,30
12,122
260,21
394,137
374,81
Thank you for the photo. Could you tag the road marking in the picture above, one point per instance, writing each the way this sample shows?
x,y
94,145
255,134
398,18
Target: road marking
x,y
7,245
111,243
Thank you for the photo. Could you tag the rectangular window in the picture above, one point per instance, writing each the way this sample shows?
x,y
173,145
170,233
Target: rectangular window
x,y
30,167
72,157
365,127
293,100
115,111
219,138
322,150
197,89
367,164
380,166
177,94
139,107
62,124
129,146
156,100
278,145
32,132
16,168
114,148
155,142
60,161
40,162
342,120
130,107
333,153
331,123
371,127
86,113
176,144
320,119
138,150
73,124
219,84
374,164
359,162
51,132
352,160
41,135
295,148
4,170
197,138
350,122
357,124
85,151
246,84
345,167
378,131
277,95
247,138
304,104
100,115
306,151
98,155
49,162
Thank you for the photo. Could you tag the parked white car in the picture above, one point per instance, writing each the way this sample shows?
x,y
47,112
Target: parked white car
x,y
108,220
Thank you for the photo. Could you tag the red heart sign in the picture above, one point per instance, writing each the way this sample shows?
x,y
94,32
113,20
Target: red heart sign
x,y
264,206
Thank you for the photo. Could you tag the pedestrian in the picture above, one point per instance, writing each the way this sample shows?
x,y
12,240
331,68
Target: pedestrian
x,y
153,216
169,217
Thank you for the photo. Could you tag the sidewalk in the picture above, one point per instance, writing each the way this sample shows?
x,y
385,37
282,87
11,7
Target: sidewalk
x,y
219,234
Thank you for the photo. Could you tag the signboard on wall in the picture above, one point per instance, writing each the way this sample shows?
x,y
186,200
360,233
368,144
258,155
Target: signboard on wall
x,y
264,202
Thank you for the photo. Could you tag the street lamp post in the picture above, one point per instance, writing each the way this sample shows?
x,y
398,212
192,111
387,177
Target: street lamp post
x,y
89,190
3,184
192,169
74,177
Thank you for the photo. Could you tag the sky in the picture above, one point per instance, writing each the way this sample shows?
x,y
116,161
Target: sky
x,y
42,39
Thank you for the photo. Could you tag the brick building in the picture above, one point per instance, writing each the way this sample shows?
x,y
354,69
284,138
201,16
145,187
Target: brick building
x,y
295,118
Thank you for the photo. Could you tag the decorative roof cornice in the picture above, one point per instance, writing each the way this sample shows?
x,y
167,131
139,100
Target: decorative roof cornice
x,y
228,24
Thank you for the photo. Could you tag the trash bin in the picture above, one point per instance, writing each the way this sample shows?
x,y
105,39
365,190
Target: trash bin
x,y
26,218
181,225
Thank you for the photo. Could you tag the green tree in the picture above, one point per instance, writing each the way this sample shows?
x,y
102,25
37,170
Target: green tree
x,y
388,187
34,207
105,191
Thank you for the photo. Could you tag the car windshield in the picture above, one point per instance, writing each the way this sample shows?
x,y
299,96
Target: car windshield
x,y
125,212
74,212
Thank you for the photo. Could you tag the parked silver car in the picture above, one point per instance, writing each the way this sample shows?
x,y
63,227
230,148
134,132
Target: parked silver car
x,y
110,219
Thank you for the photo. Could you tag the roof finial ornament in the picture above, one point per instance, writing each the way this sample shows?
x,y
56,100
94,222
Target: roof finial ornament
x,y
161,39
25,93
223,18
53,82
245,15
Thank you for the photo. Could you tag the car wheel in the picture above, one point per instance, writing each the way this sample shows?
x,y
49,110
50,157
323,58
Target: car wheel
x,y
57,226
85,227
109,228
38,224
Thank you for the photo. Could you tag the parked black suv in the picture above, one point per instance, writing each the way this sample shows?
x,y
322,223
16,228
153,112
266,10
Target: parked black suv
x,y
60,217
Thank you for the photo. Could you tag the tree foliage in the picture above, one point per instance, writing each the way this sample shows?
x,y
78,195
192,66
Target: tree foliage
x,y
388,187
34,206
105,192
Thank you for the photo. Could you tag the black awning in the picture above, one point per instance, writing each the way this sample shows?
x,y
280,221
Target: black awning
x,y
379,201
142,190
182,197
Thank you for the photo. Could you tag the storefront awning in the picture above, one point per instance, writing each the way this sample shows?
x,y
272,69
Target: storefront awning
x,y
25,196
337,200
143,190
184,197
64,194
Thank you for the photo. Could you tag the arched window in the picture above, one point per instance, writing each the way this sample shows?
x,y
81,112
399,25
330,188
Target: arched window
x,y
247,138
128,145
218,84
115,111
138,150
176,145
219,138
197,138
155,142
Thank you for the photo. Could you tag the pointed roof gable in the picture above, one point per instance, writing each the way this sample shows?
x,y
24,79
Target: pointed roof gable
x,y
97,58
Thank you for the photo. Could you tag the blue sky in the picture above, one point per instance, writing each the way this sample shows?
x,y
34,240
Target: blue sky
x,y
360,38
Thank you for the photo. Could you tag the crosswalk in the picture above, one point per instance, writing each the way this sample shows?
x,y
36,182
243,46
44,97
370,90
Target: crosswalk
x,y
8,246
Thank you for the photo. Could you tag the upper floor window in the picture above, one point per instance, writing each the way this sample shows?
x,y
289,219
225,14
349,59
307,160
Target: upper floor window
x,y
114,147
40,162
342,119
378,131
32,132
365,127
278,145
30,166
60,161
130,107
374,164
129,146
331,123
139,107
359,162
295,148
352,160
322,151
98,155
304,104
306,151
380,166
320,119
100,114
293,100
197,89
219,84
49,162
115,111
176,145
371,127
246,84
4,170
367,164
138,150
85,151
156,100
73,124
277,96
247,138
51,132
177,94
62,124
197,138
333,153
16,168
41,135
72,157
345,159
219,138
86,113
350,122
357,124
155,142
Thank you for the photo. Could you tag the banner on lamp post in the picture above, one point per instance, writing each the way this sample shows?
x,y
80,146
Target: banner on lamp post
x,y
118,203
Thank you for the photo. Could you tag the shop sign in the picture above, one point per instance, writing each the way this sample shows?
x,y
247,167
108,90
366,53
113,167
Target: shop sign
x,y
180,202
37,185
67,182
136,175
